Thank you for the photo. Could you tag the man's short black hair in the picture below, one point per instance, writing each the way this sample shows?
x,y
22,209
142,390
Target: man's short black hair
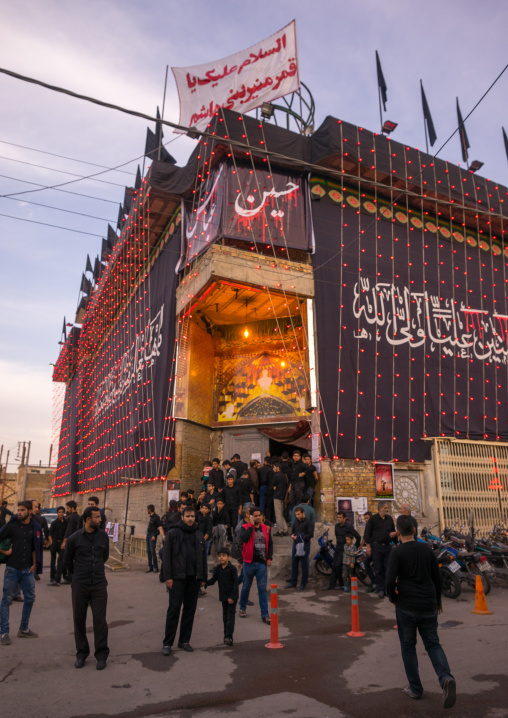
x,y
230,477
368,513
4,503
94,499
26,504
342,513
267,459
87,513
246,474
216,460
190,492
285,455
60,508
405,525
235,457
253,510
72,504
190,510
296,451
305,456
276,463
150,507
253,463
226,462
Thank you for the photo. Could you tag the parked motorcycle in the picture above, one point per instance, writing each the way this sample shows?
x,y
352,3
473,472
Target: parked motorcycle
x,y
324,559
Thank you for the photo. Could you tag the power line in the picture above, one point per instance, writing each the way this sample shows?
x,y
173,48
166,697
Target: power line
x,y
63,157
46,224
59,209
57,189
53,169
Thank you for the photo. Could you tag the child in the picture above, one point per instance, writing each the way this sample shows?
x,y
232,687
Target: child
x,y
227,577
348,562
206,473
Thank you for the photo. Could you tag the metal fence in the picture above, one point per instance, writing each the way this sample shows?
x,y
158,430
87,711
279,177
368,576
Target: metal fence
x,y
472,476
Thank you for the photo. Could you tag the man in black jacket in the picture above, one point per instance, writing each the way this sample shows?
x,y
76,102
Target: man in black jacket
x,y
378,537
302,533
86,553
231,496
341,529
413,584
185,571
56,537
238,465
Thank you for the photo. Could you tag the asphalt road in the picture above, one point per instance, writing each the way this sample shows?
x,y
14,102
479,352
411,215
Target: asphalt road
x,y
320,673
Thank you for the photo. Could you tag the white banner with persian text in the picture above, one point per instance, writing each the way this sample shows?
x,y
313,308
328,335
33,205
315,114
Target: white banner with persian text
x,y
242,81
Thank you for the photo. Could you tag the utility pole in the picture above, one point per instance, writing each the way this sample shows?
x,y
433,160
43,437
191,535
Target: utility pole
x,y
25,473
5,475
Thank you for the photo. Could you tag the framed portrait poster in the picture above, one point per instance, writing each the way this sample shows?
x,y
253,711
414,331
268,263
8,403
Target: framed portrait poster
x,y
384,480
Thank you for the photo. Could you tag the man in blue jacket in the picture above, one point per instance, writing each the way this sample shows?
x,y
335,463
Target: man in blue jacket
x,y
23,561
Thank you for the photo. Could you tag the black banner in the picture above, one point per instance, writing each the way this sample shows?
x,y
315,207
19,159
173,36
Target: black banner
x,y
123,399
250,204
412,330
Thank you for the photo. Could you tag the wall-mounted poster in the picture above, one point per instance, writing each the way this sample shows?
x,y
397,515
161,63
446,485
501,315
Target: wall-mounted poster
x,y
345,504
384,480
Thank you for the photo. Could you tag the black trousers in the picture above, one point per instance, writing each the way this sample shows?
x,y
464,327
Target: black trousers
x,y
56,565
233,520
97,597
380,556
336,574
228,616
184,593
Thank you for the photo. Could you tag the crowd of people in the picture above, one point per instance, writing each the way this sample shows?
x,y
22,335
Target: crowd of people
x,y
235,516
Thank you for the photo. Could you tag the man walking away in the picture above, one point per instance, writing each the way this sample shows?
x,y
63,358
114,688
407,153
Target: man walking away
x,y
73,525
246,490
22,563
152,531
56,537
302,533
41,520
185,572
86,553
405,509
379,534
257,553
342,528
280,488
413,584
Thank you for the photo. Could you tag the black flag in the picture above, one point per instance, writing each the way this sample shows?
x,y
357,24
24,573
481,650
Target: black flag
x,y
105,252
505,141
127,200
154,143
112,238
428,117
464,142
381,81
86,285
137,184
120,219
97,269
88,264
64,330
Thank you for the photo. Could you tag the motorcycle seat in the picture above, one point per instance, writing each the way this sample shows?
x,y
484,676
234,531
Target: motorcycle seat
x,y
495,551
465,554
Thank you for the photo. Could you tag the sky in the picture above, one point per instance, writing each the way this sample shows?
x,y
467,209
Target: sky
x,y
117,51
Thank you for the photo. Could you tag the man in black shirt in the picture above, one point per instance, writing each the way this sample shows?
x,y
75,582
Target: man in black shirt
x,y
4,512
405,509
231,496
86,553
302,533
246,490
378,537
24,559
216,475
296,480
238,465
153,529
342,528
280,488
56,537
184,570
413,584
265,478
311,477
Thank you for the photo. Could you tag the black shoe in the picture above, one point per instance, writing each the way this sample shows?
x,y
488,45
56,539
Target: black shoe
x,y
407,690
80,662
228,641
266,619
166,650
149,570
186,647
250,603
301,588
290,585
371,589
19,599
101,664
449,692
328,588
37,577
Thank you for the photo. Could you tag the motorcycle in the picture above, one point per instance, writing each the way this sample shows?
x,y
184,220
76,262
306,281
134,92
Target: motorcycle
x,y
324,559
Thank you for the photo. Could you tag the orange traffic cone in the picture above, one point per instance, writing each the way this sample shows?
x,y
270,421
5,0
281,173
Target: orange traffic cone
x,y
355,613
274,619
480,604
